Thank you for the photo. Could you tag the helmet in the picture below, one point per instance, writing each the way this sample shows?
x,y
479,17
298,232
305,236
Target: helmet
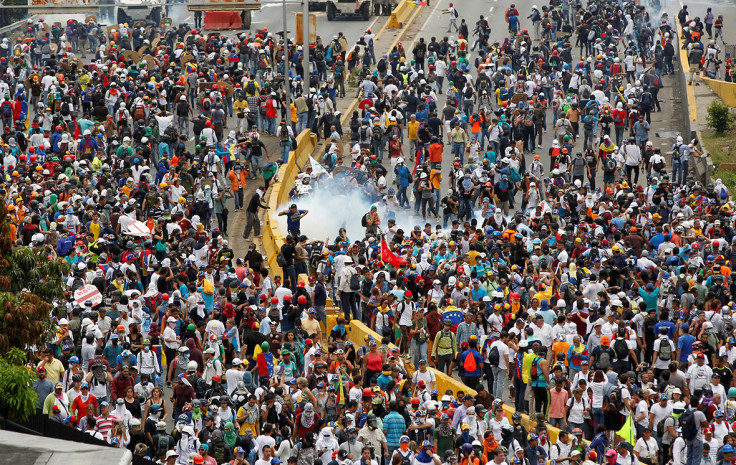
x,y
516,418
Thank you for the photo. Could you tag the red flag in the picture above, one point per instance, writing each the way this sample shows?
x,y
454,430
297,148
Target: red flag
x,y
391,258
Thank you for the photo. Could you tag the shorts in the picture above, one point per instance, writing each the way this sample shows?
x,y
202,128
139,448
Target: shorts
x,y
609,178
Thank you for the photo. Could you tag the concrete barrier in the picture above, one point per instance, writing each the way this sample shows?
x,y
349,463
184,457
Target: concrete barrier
x,y
401,13
725,90
703,167
272,237
357,332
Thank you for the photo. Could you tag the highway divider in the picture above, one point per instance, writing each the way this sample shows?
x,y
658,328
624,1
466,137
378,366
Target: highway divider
x,y
357,332
703,167
272,236
401,13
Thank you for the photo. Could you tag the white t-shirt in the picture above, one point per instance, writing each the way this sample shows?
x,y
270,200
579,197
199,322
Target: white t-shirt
x,y
503,350
659,413
646,449
428,377
698,376
663,364
262,441
577,409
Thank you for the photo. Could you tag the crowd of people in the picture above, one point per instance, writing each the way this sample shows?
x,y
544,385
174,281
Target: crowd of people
x,y
600,309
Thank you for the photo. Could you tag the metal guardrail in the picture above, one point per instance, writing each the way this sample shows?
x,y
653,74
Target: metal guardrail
x,y
17,26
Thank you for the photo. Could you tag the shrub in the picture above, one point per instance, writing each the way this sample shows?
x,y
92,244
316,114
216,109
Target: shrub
x,y
719,118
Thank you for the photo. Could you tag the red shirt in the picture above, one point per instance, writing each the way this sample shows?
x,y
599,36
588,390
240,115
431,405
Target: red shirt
x,y
80,407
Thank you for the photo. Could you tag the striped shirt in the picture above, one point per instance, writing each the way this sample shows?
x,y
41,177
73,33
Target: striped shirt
x,y
394,426
105,425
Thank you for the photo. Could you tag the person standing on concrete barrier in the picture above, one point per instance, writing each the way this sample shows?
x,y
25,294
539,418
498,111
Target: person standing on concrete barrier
x,y
678,150
694,56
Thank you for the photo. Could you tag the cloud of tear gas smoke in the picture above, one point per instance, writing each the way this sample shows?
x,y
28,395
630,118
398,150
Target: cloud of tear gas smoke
x,y
332,206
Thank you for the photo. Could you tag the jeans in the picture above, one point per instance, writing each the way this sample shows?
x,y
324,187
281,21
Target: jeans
x,y
458,150
238,198
401,197
321,314
598,418
694,452
184,125
557,423
418,351
301,121
271,126
499,381
285,149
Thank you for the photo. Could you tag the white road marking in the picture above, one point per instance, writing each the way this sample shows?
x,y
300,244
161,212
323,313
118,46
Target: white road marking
x,y
492,8
429,18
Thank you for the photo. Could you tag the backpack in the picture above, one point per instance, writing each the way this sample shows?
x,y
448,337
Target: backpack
x,y
64,109
468,94
603,362
589,122
162,444
470,364
505,129
64,245
494,357
660,425
615,400
218,452
514,174
319,55
618,120
529,119
336,46
646,100
621,348
354,282
688,425
665,350
585,94
658,165
280,260
139,113
377,136
535,371
364,220
610,165
250,88
676,153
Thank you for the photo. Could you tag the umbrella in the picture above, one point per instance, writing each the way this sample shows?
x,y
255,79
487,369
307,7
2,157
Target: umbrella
x,y
366,103
138,228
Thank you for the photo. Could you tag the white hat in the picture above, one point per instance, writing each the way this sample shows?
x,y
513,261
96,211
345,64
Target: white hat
x,y
171,319
63,321
237,362
171,453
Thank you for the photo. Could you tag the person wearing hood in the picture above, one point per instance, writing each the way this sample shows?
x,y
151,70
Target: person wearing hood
x,y
122,412
326,444
187,446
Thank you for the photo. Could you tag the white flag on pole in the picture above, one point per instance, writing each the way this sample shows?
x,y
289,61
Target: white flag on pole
x,y
317,168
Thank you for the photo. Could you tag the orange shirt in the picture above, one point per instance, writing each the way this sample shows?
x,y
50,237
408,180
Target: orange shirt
x,y
435,152
235,182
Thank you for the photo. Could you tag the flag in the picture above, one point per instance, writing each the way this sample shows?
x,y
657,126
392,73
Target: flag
x,y
627,432
389,257
420,160
317,168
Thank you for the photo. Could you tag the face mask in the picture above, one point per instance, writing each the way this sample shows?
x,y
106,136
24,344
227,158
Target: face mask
x,y
353,439
146,348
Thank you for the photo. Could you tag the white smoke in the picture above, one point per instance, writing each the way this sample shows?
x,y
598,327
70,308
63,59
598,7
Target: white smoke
x,y
332,206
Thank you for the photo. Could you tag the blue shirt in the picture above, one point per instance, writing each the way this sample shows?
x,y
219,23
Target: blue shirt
x,y
293,220
478,362
650,298
685,344
393,426
669,325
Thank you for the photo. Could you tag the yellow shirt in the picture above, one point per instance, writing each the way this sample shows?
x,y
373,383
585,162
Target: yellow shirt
x,y
240,106
54,370
412,128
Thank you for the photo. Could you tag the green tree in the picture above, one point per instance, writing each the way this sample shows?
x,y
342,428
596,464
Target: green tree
x,y
31,281
719,117
16,383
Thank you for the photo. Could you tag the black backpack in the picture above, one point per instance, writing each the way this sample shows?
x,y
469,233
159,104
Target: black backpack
x,y
354,282
603,361
250,88
65,109
688,425
621,348
494,356
468,92
610,165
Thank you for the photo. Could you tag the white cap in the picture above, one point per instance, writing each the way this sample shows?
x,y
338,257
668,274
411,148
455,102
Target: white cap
x,y
171,319
237,362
